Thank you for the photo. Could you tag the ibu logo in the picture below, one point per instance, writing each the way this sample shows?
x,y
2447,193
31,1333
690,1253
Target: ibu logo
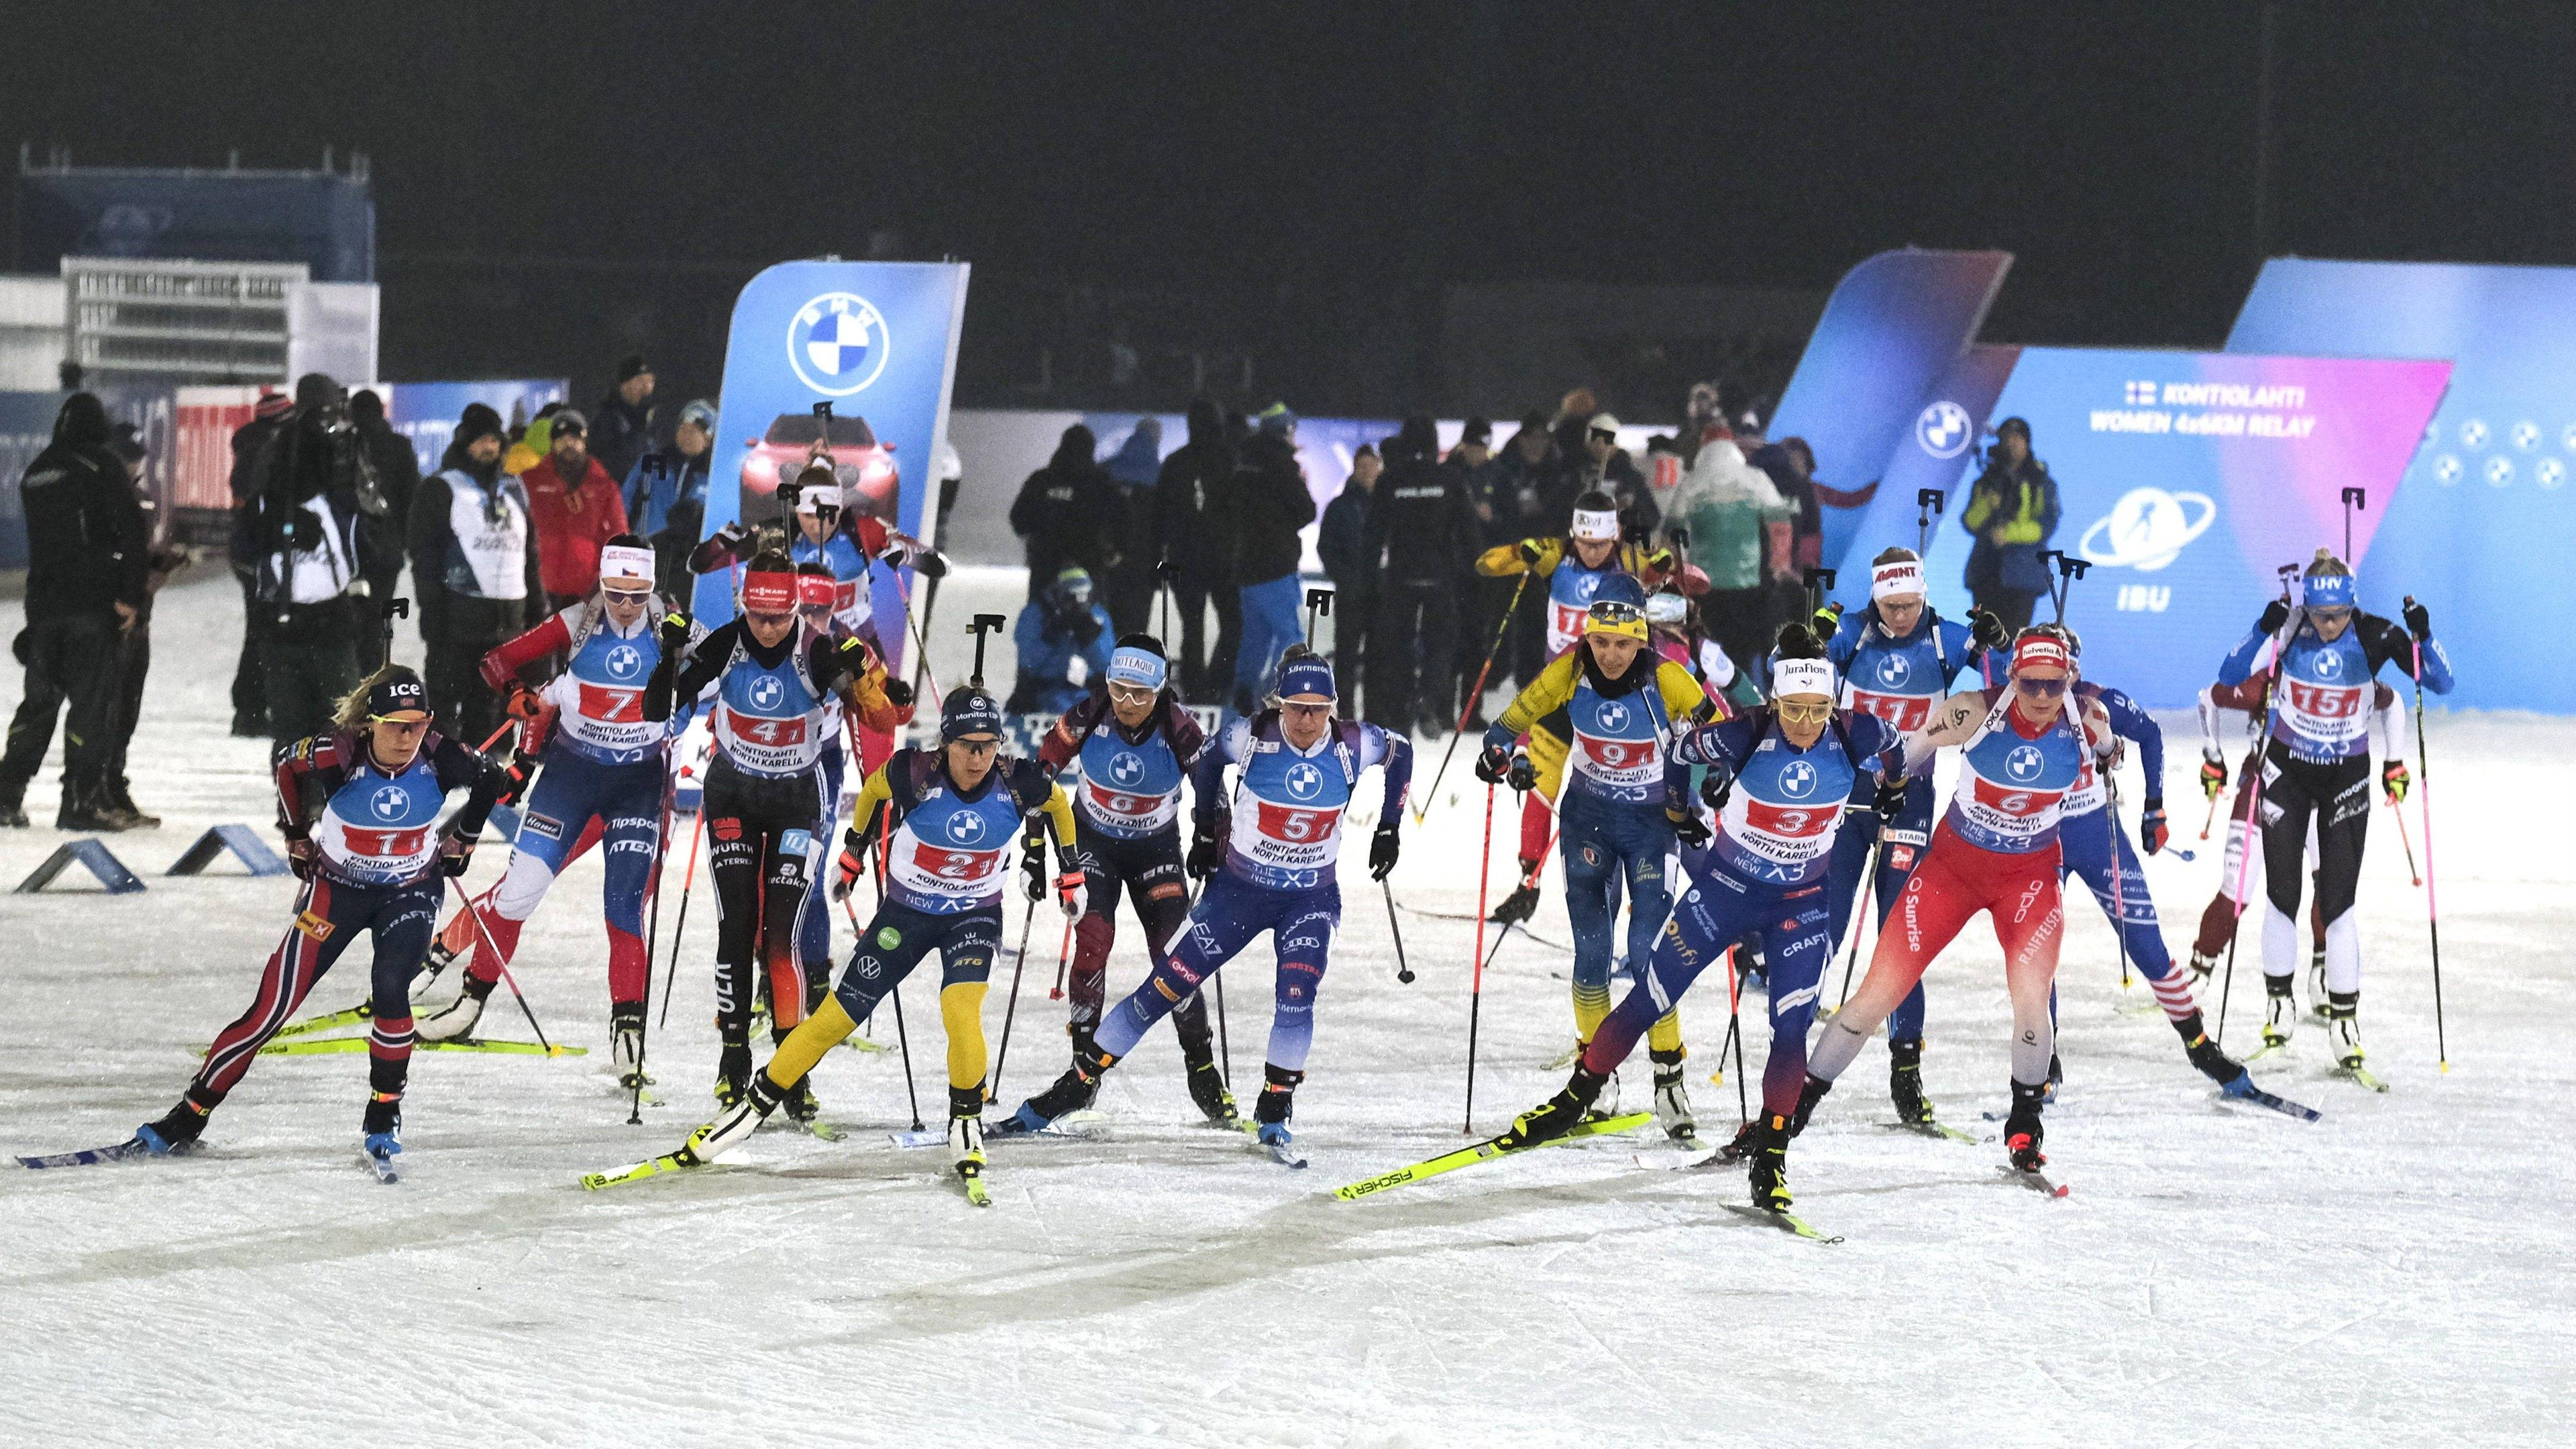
x,y
1797,779
388,802
837,343
2024,763
1305,781
1943,429
1126,768
1894,670
625,662
965,827
766,692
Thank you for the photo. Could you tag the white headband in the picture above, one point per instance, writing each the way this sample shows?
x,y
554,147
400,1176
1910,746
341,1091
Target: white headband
x,y
626,562
817,496
1802,676
1900,576
1595,527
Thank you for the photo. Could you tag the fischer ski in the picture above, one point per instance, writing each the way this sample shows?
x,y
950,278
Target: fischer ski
x,y
2362,1076
348,1044
976,1192
2033,1179
679,1161
1485,1151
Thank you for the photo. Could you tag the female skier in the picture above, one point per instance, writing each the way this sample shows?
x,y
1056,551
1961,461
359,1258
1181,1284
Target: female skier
x,y
1271,861
2021,750
1136,745
602,776
359,806
1617,707
947,816
2324,657
764,789
1789,767
1679,638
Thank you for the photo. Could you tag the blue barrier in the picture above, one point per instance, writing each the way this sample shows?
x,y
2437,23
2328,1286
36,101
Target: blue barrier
x,y
241,840
110,871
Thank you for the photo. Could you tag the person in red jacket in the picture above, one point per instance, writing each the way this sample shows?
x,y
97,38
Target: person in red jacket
x,y
577,510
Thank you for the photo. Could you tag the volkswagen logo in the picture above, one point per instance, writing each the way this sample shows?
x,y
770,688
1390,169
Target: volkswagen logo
x,y
2025,762
1797,779
1304,780
1944,429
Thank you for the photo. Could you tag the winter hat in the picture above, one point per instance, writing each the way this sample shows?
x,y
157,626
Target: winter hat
x,y
629,563
271,404
815,586
701,412
1277,420
1138,663
1602,423
398,692
631,367
1305,674
477,421
1478,431
1667,610
1802,676
2041,649
968,710
567,420
1618,607
769,585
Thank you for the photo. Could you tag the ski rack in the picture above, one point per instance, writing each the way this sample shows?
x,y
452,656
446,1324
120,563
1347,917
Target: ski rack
x,y
90,854
241,840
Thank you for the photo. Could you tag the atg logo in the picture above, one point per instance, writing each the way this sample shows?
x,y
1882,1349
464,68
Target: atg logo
x,y
2147,529
1943,429
837,343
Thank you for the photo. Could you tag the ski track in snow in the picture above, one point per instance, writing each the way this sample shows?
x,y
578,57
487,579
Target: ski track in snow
x,y
2398,1273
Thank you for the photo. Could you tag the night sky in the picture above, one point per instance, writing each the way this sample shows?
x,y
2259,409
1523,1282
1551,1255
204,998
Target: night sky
x,y
555,184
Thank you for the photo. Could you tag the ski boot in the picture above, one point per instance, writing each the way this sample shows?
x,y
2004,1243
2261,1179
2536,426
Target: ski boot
x,y
1277,1103
2214,1064
2056,1076
733,1074
1672,1098
13,805
1069,1093
2022,1131
626,1033
178,1128
1905,1082
742,1116
1552,1118
1207,1089
799,1100
1522,903
2343,1028
383,1126
966,1134
456,1020
119,796
2281,1013
1768,1154
1809,1095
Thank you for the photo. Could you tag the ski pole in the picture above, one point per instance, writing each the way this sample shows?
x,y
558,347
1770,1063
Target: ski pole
x,y
1476,988
652,932
920,641
903,1039
680,928
1860,909
1403,972
2119,874
993,1081
1735,1037
2413,876
2432,910
513,982
1474,694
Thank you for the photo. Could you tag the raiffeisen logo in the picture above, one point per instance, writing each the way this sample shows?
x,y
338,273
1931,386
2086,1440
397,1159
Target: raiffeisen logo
x,y
2147,529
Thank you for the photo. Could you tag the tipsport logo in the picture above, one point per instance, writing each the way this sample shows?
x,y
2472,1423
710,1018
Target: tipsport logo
x,y
837,343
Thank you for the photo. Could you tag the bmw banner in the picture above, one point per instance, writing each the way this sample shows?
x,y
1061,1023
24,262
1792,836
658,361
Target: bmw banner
x,y
877,341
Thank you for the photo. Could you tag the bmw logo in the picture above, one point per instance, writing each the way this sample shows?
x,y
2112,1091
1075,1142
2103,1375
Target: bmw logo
x,y
2526,435
2446,469
1126,768
2499,471
965,827
1614,716
2549,473
767,692
625,661
1944,429
1894,669
837,343
1305,781
2473,434
2024,763
2329,664
1797,779
388,802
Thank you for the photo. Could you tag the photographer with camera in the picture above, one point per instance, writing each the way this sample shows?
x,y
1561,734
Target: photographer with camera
x,y
318,528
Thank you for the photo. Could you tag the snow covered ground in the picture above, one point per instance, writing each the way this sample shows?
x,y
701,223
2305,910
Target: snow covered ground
x,y
2397,1274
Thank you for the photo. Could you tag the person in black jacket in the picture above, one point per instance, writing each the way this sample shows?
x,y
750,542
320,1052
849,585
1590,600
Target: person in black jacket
x,y
397,472
250,444
1531,496
86,546
621,427
1065,512
1425,528
1343,542
1190,539
1267,503
320,530
474,571
1479,476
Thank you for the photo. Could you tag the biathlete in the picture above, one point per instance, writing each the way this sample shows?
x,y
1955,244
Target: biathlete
x,y
2324,657
359,807
773,678
1898,659
601,775
1270,861
1787,767
948,817
1135,745
1618,707
2021,751
1679,637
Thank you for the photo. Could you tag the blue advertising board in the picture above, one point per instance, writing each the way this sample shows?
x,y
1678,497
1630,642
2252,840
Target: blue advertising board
x,y
425,413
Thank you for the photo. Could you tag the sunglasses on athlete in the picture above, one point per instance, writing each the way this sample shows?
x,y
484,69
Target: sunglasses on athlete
x,y
1803,713
2041,688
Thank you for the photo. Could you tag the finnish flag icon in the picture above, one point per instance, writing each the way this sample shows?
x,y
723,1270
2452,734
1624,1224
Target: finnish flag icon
x,y
837,343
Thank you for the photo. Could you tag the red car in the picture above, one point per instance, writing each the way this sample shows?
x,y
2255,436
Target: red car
x,y
865,467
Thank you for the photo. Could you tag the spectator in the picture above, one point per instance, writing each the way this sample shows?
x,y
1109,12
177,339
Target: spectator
x,y
1130,581
1531,497
1343,542
1425,529
1191,539
1269,504
396,470
2012,511
250,708
1798,544
1699,409
666,496
622,429
318,543
86,565
1063,639
474,569
1480,476
1731,511
576,508
134,652
1607,467
1064,511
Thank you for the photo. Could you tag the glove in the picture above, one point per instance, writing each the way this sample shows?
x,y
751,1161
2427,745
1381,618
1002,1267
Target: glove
x,y
2151,825
1524,775
515,777
674,632
1383,849
731,535
2275,614
455,856
1889,802
301,852
1688,828
1033,876
1207,853
1530,553
1494,763
1073,891
1661,560
2213,775
2418,622
1986,630
898,693
2394,779
523,705
851,864
930,563
1712,788
1828,619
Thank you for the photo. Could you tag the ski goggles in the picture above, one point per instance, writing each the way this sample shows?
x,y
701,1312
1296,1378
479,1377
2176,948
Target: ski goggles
x,y
1615,616
1801,713
2042,688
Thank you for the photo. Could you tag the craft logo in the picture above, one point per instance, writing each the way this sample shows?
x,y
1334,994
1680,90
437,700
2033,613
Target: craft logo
x,y
2147,529
837,343
1943,429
